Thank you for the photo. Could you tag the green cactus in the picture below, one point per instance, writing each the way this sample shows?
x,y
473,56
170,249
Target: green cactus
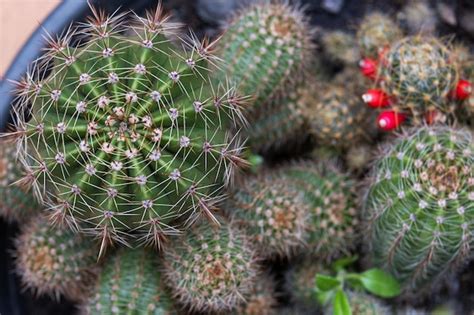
x,y
420,207
55,261
130,283
210,269
331,197
363,304
266,48
376,32
340,47
262,300
127,133
16,203
419,73
299,281
273,213
338,117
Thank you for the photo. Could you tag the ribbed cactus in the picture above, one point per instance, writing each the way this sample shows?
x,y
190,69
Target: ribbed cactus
x,y
420,205
266,48
337,117
340,47
376,32
262,300
130,283
127,133
210,269
363,304
273,213
419,73
16,202
333,214
55,261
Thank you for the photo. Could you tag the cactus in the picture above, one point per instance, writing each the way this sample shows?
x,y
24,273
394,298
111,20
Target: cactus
x,y
419,73
55,261
210,269
363,304
418,17
300,282
340,47
376,32
262,300
420,205
127,133
338,118
16,202
273,213
130,283
266,48
358,158
331,197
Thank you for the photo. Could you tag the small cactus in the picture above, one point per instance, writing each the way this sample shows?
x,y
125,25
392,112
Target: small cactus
x,y
16,202
210,269
419,205
376,32
331,197
273,213
266,48
55,261
300,282
358,158
262,300
363,304
418,17
130,283
340,47
127,133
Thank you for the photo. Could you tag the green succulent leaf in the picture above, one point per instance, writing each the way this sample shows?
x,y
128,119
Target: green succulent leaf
x,y
344,262
380,283
326,283
341,304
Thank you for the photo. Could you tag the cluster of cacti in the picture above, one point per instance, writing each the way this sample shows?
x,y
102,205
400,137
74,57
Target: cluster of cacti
x,y
55,261
127,133
420,204
17,203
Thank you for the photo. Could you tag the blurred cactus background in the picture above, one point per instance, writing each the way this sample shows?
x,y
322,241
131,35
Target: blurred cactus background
x,y
240,157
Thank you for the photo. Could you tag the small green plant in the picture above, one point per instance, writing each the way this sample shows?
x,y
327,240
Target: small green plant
x,y
333,291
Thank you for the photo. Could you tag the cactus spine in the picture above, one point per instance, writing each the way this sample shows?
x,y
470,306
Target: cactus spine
x,y
55,261
130,283
127,133
420,205
210,269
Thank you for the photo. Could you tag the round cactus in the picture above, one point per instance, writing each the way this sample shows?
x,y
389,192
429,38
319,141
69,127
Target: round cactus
x,y
266,47
331,197
55,261
420,205
273,213
363,304
130,283
340,47
210,269
262,300
127,132
358,158
16,202
418,17
338,117
419,73
375,33
299,281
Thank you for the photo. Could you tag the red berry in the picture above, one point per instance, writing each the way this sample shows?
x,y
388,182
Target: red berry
x,y
389,120
376,98
463,90
368,67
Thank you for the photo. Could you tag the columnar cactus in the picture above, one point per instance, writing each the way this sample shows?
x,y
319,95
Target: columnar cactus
x,y
273,213
210,269
130,283
331,197
266,47
127,133
262,300
376,32
420,205
55,261
16,202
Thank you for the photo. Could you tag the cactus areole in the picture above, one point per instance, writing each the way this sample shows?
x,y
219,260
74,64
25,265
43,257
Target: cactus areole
x,y
127,133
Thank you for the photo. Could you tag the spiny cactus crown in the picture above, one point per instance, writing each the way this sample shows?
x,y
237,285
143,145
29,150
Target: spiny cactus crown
x,y
55,261
273,213
127,133
420,205
210,269
419,73
130,283
17,203
266,47
376,32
